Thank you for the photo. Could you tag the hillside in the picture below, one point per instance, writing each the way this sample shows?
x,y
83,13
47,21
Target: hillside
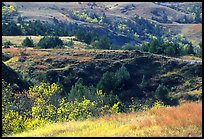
x,y
117,19
180,121
10,76
69,65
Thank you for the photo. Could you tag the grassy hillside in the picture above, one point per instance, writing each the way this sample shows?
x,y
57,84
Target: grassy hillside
x,y
118,17
181,121
192,32
69,65
16,41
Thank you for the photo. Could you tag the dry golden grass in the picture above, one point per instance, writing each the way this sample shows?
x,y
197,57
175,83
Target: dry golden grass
x,y
191,58
183,120
40,67
18,39
182,116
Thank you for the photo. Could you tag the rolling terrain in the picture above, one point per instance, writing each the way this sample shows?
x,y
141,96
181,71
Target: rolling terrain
x,y
67,66
125,69
154,13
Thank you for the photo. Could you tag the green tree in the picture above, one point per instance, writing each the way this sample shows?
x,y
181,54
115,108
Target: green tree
x,y
189,49
78,91
145,47
114,81
162,92
121,77
106,82
170,51
7,44
27,42
11,29
143,83
102,43
50,42
153,46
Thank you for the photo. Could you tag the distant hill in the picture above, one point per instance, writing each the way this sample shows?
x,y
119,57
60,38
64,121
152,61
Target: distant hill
x,y
119,22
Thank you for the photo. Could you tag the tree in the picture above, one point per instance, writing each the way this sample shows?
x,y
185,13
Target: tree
x,y
162,92
198,50
78,91
145,47
189,49
143,83
121,76
102,43
170,51
165,18
106,82
114,81
28,42
50,42
11,29
7,44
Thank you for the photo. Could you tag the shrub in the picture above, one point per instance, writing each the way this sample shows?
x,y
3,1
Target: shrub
x,y
78,91
5,56
162,92
70,43
50,42
12,122
121,76
102,43
143,83
7,44
114,81
27,42
107,81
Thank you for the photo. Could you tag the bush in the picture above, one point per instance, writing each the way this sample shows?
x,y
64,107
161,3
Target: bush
x,y
78,91
70,43
162,92
43,105
75,110
50,42
114,81
12,122
5,56
121,77
107,82
7,44
102,43
27,42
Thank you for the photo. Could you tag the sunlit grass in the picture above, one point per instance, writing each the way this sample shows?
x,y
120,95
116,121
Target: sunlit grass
x,y
169,73
12,60
183,120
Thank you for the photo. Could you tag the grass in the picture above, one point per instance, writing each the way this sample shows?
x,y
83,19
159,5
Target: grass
x,y
169,73
190,58
12,60
184,120
17,40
